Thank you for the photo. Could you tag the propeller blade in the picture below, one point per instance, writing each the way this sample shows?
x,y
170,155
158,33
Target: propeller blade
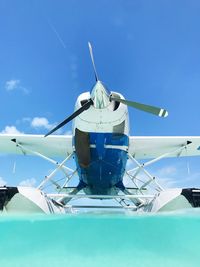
x,y
71,117
92,58
150,109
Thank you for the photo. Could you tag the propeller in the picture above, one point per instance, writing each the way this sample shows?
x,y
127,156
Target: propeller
x,y
103,93
85,106
150,109
71,117
93,63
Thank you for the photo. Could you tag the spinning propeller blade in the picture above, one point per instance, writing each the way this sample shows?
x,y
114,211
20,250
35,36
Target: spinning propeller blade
x,y
150,109
74,115
92,58
85,106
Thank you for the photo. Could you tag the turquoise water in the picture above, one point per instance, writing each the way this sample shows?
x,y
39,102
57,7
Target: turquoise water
x,y
100,240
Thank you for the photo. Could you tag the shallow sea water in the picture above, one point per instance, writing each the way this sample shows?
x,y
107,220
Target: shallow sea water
x,y
101,240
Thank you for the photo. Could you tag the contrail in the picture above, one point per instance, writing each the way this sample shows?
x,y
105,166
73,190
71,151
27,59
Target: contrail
x,y
57,35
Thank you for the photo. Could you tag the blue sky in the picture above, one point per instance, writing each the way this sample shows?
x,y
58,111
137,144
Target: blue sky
x,y
147,50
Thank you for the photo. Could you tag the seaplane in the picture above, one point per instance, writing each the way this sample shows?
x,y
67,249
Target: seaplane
x,y
100,145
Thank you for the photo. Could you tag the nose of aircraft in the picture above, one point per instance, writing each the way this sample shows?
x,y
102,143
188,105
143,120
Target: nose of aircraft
x,y
100,96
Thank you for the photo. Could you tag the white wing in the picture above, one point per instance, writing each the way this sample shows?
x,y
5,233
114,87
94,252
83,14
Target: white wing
x,y
139,147
146,147
54,145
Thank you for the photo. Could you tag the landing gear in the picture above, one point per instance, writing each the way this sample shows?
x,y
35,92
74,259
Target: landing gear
x,y
146,195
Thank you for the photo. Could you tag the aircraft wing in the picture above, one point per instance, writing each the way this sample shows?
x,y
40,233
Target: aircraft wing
x,y
147,147
141,147
54,145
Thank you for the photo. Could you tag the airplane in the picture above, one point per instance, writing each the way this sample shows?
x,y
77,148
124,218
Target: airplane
x,y
100,145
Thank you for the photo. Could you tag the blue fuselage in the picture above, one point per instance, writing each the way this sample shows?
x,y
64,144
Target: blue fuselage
x,y
108,158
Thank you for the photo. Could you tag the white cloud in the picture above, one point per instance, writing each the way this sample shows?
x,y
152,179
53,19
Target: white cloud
x,y
2,182
14,84
41,122
10,130
166,176
28,182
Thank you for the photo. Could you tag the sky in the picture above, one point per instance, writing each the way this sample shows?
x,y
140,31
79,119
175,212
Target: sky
x,y
148,50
